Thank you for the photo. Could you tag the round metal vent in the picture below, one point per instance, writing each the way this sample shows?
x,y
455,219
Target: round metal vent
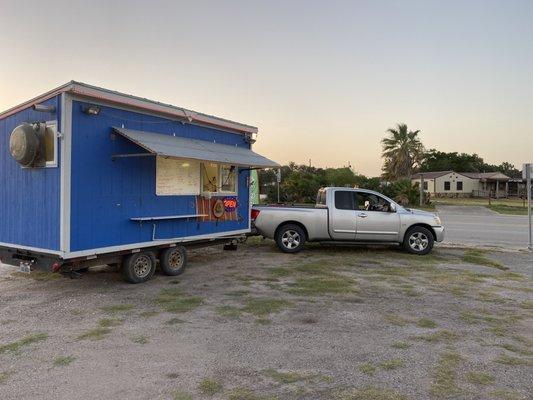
x,y
24,144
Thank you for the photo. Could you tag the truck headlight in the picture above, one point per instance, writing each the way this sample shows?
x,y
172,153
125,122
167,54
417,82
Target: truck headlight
x,y
437,220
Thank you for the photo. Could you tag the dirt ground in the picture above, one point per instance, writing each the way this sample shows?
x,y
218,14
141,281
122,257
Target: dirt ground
x,y
256,324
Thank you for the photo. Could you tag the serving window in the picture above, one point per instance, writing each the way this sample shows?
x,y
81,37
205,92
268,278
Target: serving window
x,y
219,178
175,177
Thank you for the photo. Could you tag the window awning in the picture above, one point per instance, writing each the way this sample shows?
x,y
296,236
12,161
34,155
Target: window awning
x,y
194,149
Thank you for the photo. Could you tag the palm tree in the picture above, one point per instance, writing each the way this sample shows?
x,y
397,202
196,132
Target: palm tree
x,y
402,152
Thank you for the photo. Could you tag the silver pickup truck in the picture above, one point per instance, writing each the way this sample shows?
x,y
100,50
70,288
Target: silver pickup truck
x,y
348,215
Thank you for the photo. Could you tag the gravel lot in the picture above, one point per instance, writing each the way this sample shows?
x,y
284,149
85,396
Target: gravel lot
x,y
327,323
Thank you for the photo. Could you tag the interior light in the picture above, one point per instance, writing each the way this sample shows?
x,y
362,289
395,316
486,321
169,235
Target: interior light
x,y
185,164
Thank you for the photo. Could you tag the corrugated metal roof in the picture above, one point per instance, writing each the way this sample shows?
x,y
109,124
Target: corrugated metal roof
x,y
486,175
193,149
112,96
471,175
430,175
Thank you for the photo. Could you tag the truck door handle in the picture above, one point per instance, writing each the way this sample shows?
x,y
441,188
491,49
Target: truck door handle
x,y
362,215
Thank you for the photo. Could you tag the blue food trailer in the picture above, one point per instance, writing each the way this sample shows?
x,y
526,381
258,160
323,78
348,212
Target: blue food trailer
x,y
91,176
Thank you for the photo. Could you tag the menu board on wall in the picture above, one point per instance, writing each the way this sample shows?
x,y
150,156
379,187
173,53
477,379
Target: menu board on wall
x,y
177,177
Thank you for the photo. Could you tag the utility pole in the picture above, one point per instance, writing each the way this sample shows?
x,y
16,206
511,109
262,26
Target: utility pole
x,y
526,173
421,190
278,179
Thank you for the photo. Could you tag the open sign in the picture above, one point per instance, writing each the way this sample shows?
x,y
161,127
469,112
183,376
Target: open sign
x,y
230,204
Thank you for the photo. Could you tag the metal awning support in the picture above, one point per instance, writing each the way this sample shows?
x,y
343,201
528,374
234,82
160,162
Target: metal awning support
x,y
115,156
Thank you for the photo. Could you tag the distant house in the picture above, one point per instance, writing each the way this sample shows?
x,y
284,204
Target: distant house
x,y
464,184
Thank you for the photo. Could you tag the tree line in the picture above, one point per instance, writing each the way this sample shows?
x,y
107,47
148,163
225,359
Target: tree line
x,y
403,155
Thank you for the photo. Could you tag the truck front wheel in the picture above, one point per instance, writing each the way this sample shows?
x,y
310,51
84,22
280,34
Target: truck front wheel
x,y
290,238
418,240
138,267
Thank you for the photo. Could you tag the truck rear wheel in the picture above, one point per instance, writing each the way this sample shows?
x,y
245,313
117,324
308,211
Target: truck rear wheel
x,y
418,240
138,267
290,238
173,260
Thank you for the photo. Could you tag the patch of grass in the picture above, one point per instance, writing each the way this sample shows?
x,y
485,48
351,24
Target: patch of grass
x,y
396,319
321,285
238,293
95,334
505,209
110,322
439,336
3,376
527,305
140,339
491,297
263,321
261,307
505,394
390,365
400,345
181,395
228,312
524,340
478,257
445,374
410,292
515,361
369,393
174,321
517,349
149,314
210,386
480,378
40,276
284,377
319,267
426,323
117,308
280,272
511,276
242,393
367,368
63,361
15,347
173,300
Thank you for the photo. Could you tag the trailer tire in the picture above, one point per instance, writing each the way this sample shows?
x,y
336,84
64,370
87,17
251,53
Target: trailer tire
x,y
173,260
139,267
290,238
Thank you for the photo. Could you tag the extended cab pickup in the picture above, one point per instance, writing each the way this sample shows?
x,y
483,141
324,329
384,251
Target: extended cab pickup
x,y
348,215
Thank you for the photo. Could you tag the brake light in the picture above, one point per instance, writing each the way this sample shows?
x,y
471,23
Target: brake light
x,y
254,214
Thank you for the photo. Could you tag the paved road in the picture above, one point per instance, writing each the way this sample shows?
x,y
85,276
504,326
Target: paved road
x,y
480,226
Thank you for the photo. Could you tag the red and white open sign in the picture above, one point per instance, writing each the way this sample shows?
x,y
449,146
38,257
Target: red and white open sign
x,y
230,204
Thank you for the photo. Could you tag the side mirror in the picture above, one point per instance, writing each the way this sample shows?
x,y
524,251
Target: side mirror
x,y
392,207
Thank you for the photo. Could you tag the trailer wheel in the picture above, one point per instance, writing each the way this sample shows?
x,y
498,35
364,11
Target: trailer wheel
x,y
138,267
290,238
173,260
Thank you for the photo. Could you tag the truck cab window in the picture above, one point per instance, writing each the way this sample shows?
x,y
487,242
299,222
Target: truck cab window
x,y
371,202
344,200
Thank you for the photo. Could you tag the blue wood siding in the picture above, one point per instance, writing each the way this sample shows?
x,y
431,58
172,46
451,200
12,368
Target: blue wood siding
x,y
105,194
29,197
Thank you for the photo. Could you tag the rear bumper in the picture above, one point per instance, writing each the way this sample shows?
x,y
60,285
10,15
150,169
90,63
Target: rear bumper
x,y
439,233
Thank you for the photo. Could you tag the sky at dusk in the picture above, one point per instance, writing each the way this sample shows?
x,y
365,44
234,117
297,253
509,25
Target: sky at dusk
x,y
321,80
